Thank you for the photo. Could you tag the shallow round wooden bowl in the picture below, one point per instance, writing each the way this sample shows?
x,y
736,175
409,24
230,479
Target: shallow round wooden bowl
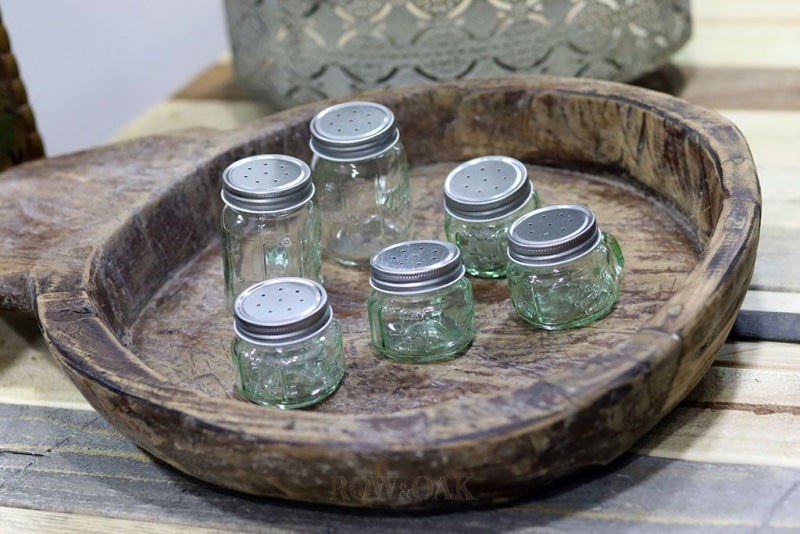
x,y
116,251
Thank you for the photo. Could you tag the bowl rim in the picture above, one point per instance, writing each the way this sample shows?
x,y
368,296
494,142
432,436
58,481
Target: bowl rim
x,y
724,263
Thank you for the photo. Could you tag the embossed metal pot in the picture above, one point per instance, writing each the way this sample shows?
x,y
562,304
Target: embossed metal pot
x,y
293,52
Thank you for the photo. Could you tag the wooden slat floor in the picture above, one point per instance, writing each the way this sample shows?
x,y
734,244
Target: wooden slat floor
x,y
727,458
69,468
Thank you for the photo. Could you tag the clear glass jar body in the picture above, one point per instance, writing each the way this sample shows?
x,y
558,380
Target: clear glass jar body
x,y
365,204
423,327
569,294
258,246
483,244
290,376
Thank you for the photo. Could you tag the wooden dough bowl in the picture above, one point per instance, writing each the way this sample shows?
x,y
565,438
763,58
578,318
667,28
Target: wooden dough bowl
x,y
116,251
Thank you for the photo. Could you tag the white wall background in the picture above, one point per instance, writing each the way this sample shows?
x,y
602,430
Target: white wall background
x,y
90,66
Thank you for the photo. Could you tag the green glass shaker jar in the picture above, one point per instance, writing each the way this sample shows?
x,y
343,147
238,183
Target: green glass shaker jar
x,y
421,308
563,270
482,197
360,170
287,349
270,224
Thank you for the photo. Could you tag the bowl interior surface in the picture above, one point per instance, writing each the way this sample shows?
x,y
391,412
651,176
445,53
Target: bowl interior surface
x,y
185,332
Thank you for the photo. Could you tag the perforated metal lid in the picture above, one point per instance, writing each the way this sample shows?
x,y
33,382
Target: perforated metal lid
x,y
553,234
415,267
486,188
353,131
267,182
281,310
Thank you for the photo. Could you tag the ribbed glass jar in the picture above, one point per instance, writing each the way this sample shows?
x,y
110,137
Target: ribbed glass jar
x,y
421,308
563,272
482,197
270,224
287,349
360,172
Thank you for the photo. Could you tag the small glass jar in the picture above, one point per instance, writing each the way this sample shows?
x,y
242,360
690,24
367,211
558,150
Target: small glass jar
x,y
361,175
287,349
563,271
270,224
421,309
482,197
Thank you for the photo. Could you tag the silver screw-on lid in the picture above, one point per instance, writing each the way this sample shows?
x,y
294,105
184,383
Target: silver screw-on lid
x,y
486,188
353,131
281,310
267,182
415,266
553,234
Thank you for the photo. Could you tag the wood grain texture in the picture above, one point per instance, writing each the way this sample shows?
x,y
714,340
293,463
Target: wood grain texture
x,y
687,167
68,468
187,317
39,522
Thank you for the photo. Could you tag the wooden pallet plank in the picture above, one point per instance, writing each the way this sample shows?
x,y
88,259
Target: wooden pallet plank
x,y
80,473
719,433
28,374
41,522
743,34
760,355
